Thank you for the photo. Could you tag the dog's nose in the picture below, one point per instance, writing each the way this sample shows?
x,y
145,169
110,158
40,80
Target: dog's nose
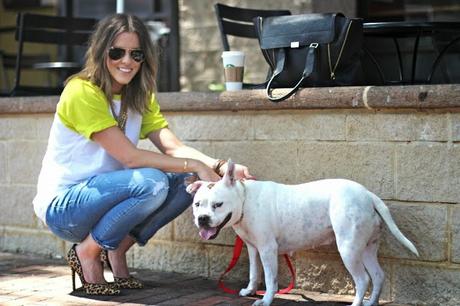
x,y
203,220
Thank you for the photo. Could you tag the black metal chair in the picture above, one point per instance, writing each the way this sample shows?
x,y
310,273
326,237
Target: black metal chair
x,y
8,63
237,21
63,32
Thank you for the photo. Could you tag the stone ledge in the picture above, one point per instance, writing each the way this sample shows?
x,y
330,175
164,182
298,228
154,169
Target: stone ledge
x,y
370,97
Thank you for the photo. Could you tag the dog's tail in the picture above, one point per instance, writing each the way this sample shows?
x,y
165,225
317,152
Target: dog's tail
x,y
384,212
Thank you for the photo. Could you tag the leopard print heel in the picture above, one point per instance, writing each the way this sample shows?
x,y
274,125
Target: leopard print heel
x,y
128,282
90,288
121,282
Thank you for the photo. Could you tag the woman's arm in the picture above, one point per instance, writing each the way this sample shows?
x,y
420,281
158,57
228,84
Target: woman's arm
x,y
119,147
168,143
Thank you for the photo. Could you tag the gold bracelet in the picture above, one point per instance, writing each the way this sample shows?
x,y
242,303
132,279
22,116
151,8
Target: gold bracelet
x,y
185,165
218,165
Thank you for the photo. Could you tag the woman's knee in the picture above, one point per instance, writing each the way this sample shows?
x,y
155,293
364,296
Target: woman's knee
x,y
149,182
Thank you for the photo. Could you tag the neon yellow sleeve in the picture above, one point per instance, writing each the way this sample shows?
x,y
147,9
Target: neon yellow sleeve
x,y
153,119
84,109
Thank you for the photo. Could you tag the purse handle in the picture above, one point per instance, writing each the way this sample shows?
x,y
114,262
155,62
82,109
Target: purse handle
x,y
280,59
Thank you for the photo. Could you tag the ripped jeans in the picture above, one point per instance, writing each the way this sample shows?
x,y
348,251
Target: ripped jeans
x,y
110,206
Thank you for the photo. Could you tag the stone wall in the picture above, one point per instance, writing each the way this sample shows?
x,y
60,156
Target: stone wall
x,y
409,156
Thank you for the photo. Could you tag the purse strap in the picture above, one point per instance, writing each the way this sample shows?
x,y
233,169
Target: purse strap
x,y
280,60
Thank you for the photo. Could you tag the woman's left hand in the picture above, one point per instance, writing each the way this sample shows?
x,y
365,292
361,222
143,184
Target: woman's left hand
x,y
204,172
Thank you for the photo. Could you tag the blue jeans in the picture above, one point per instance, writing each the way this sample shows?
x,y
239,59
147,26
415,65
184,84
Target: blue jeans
x,y
110,206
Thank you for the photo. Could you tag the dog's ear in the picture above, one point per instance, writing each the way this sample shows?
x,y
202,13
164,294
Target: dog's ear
x,y
193,187
190,179
229,176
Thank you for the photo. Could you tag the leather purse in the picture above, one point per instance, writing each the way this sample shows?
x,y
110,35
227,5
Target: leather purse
x,y
310,50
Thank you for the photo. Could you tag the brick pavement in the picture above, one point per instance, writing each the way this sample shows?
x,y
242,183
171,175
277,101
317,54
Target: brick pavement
x,y
29,280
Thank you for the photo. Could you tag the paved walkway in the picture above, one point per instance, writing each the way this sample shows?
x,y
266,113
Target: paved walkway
x,y
28,280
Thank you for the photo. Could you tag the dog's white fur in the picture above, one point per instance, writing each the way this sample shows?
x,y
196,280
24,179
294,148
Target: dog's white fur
x,y
277,219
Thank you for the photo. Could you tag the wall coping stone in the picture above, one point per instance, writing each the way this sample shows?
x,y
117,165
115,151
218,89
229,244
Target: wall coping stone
x,y
369,97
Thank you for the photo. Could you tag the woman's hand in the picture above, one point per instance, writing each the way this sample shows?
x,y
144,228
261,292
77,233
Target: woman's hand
x,y
241,172
204,172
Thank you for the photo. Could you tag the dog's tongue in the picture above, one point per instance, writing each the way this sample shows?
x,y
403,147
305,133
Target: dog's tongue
x,y
207,233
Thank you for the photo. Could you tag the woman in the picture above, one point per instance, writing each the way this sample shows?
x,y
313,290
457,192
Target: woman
x,y
96,187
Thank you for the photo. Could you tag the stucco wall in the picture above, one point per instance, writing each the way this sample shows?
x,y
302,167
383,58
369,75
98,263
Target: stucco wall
x,y
408,156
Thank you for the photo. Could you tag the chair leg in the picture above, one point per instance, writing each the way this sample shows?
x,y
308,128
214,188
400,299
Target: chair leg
x,y
5,81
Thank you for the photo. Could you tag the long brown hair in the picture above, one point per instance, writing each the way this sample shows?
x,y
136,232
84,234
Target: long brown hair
x,y
137,93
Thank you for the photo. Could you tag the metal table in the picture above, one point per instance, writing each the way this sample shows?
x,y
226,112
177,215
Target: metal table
x,y
415,30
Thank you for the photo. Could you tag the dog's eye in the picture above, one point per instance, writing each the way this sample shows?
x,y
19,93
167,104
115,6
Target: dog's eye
x,y
197,204
216,205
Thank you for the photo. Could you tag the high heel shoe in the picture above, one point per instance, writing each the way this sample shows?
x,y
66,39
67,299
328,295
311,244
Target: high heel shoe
x,y
90,288
121,282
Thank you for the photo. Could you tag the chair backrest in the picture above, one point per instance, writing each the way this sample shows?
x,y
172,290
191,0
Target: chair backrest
x,y
58,30
236,21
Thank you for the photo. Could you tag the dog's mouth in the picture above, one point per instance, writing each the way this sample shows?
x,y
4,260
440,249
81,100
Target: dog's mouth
x,y
209,233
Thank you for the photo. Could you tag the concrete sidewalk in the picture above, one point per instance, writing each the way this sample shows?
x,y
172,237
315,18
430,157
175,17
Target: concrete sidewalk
x,y
30,280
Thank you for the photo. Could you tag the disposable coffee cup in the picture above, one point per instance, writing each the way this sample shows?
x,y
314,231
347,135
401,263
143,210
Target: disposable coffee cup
x,y
233,62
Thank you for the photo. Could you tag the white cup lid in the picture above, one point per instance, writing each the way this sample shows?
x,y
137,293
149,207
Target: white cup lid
x,y
232,53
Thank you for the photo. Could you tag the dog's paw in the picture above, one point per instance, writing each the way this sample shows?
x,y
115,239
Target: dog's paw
x,y
246,292
260,303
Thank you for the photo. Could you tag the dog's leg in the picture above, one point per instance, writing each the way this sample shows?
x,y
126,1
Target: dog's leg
x,y
355,224
254,272
351,254
269,258
375,271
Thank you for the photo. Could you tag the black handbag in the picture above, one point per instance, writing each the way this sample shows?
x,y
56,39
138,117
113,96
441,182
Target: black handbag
x,y
310,50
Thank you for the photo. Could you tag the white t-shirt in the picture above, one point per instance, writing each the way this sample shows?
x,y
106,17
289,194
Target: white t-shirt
x,y
71,155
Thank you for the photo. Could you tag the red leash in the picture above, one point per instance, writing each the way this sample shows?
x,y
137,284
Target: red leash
x,y
236,255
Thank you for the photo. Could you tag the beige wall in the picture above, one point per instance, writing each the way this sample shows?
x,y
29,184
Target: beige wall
x,y
408,157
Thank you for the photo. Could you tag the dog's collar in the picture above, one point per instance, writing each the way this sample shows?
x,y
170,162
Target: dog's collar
x,y
244,200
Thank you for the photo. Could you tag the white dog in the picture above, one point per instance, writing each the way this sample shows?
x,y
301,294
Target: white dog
x,y
274,219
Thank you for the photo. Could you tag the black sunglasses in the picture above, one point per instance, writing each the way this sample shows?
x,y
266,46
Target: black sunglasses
x,y
117,53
